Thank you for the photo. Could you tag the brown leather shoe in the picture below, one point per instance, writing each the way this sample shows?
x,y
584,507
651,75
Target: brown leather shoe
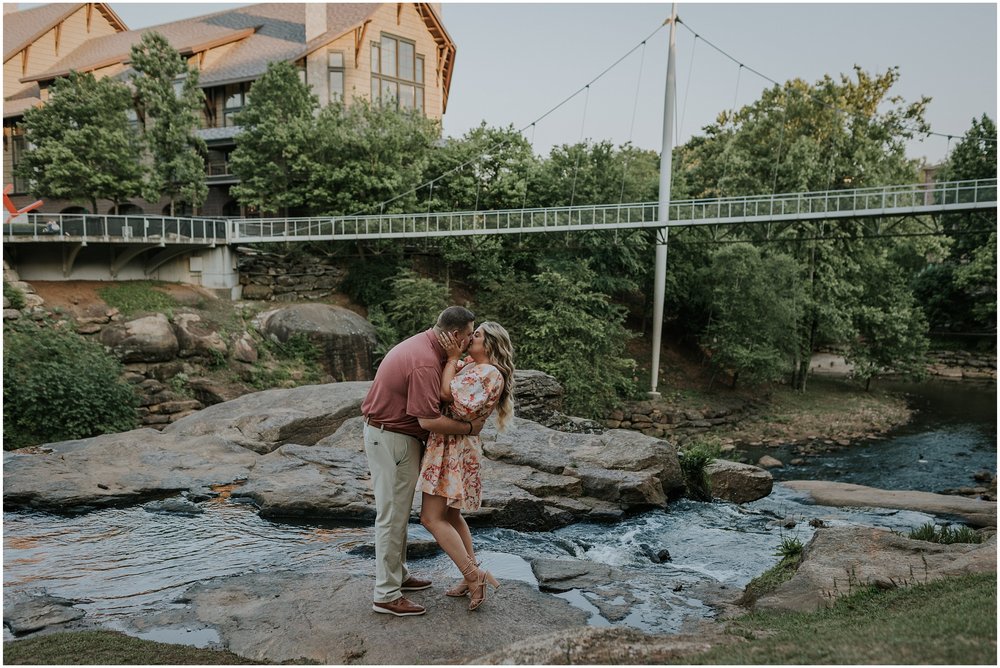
x,y
401,607
414,584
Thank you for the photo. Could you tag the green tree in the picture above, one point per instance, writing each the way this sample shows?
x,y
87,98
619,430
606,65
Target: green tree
x,y
58,386
274,157
597,173
969,298
487,168
799,137
561,326
171,112
82,147
415,304
891,327
366,154
753,302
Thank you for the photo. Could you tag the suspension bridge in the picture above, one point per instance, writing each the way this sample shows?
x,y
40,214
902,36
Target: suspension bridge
x,y
925,200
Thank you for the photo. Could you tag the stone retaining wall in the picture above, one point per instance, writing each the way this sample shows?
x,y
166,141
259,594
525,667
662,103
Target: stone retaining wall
x,y
962,364
674,424
269,278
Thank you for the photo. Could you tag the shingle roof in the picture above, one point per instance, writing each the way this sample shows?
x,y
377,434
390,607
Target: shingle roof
x,y
278,33
22,27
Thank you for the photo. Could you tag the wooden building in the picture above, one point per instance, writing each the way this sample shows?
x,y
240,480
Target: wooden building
x,y
398,53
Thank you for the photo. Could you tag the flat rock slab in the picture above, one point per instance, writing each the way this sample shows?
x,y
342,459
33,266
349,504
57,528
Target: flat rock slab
x,y
118,469
327,618
972,511
264,421
839,560
600,646
25,614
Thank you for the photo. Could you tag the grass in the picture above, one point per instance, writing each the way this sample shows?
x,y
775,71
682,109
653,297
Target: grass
x,y
946,535
949,621
109,648
790,552
133,297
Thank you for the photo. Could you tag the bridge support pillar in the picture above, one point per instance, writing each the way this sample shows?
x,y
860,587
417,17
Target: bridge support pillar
x,y
666,165
219,273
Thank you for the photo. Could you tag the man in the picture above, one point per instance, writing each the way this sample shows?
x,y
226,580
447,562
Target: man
x,y
402,406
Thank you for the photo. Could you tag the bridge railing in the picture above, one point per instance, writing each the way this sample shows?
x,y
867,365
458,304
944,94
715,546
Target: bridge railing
x,y
838,202
122,229
443,224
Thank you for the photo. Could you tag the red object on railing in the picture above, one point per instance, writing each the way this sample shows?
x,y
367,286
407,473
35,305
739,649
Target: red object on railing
x,y
12,209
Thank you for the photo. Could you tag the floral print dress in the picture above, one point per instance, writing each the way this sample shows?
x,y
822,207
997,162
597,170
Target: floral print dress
x,y
450,465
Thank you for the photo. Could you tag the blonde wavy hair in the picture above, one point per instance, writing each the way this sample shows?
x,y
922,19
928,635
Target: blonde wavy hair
x,y
498,348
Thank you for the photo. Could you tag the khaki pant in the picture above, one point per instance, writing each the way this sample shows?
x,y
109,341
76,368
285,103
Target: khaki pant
x,y
394,462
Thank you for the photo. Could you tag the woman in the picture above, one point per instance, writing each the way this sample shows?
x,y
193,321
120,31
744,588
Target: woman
x,y
449,472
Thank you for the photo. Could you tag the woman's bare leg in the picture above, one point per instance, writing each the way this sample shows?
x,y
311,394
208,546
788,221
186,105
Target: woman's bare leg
x,y
456,520
434,516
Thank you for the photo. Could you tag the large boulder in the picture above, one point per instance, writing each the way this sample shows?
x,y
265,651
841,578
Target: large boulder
x,y
738,483
623,467
539,397
838,560
346,339
194,338
329,479
146,339
264,421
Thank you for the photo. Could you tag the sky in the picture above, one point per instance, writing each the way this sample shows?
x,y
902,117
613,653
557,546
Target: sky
x,y
516,62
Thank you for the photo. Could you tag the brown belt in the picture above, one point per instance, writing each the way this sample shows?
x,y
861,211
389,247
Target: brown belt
x,y
372,423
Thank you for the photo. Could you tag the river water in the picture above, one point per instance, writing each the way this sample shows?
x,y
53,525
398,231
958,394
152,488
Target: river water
x,y
131,562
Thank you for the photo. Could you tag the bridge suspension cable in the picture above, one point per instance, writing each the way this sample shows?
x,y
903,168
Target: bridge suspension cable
x,y
822,102
500,144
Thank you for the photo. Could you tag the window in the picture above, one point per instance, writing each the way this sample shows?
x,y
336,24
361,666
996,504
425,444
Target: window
x,y
134,121
18,145
335,70
235,99
397,73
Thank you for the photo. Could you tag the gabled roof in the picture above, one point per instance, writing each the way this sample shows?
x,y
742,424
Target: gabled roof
x,y
23,27
259,34
275,31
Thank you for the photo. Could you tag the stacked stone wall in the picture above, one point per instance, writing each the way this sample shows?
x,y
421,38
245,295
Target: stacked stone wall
x,y
272,278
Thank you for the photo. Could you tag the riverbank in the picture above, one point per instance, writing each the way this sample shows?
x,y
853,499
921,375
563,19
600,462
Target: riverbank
x,y
832,412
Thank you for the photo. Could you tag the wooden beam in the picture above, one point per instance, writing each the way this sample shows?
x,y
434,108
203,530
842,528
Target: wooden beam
x,y
24,61
359,40
58,35
90,14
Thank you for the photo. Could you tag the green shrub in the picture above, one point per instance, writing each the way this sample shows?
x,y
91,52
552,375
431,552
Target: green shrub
x,y
132,297
13,296
693,460
60,386
946,535
415,303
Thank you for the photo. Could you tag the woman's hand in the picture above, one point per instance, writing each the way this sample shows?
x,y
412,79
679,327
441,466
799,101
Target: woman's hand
x,y
451,345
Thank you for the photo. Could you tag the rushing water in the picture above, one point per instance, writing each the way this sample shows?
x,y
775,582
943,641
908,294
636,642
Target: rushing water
x,y
130,562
